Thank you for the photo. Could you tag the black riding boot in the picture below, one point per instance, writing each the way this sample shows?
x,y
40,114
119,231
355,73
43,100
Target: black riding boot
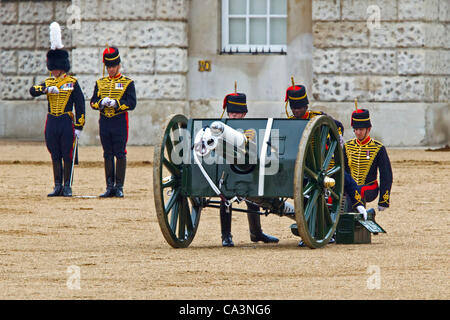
x,y
121,167
67,191
254,224
57,175
109,176
225,225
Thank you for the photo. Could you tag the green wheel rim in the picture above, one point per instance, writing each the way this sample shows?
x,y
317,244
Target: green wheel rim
x,y
178,216
320,155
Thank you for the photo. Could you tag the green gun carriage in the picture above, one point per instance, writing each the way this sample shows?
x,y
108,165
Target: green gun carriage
x,y
299,161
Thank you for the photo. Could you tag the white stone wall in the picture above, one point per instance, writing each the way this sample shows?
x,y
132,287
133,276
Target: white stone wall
x,y
151,36
24,41
404,61
403,66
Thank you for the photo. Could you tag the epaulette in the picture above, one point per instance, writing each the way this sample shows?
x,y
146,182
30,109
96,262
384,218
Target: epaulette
x,y
316,113
72,78
377,142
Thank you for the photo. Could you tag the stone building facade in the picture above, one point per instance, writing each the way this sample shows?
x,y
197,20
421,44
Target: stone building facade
x,y
399,69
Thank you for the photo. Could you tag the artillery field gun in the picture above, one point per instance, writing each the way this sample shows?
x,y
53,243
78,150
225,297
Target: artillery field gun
x,y
200,162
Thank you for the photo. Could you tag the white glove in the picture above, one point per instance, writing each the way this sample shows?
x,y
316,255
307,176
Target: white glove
x,y
78,133
105,101
341,140
380,208
52,89
363,211
112,103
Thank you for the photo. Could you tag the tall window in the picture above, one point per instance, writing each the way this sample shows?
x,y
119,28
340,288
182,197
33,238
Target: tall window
x,y
256,26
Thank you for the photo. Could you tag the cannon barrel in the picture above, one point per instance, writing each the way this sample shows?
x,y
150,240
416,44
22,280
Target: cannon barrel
x,y
231,145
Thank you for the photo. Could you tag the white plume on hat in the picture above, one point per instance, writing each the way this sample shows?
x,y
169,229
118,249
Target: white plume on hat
x,y
55,36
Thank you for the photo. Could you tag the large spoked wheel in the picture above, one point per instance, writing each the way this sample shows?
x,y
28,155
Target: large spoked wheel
x,y
318,182
178,215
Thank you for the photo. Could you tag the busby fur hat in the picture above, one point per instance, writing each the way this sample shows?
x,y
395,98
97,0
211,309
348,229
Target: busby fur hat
x,y
57,58
235,102
111,57
361,119
297,97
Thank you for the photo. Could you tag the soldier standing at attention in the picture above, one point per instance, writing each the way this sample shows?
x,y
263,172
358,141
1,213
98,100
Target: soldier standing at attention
x,y
363,157
114,96
61,127
236,107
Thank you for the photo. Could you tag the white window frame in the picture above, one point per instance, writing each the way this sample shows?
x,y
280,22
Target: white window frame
x,y
249,48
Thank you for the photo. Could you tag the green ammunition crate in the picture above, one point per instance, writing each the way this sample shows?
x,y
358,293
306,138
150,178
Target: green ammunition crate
x,y
353,229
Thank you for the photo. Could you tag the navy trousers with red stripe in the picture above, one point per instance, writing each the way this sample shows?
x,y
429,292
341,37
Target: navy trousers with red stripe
x,y
368,192
60,137
114,135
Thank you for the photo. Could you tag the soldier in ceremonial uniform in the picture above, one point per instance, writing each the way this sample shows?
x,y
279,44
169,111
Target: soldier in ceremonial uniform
x,y
114,96
363,157
298,101
236,106
62,126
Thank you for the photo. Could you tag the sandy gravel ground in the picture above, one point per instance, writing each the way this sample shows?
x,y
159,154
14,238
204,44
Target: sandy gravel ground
x,y
121,254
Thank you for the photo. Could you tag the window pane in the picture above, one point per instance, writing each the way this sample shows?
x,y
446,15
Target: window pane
x,y
258,31
237,31
237,6
258,6
278,7
278,31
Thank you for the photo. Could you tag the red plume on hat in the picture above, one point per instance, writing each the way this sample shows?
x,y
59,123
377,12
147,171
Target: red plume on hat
x,y
111,57
225,100
296,94
289,89
361,119
235,102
